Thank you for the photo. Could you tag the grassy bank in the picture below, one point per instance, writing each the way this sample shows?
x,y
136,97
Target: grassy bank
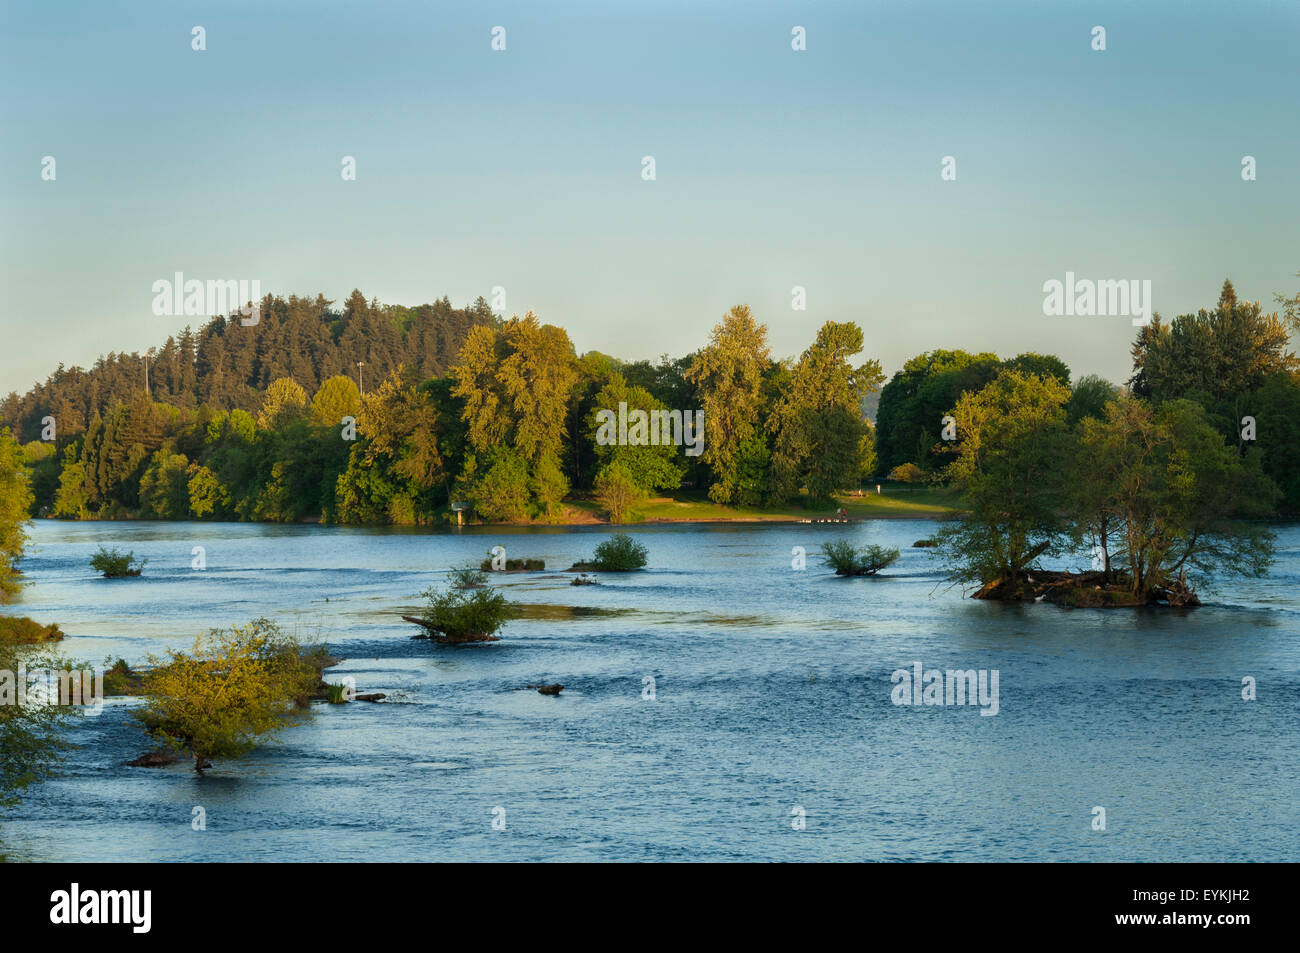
x,y
895,502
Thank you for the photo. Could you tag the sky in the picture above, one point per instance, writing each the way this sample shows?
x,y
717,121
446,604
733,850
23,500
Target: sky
x,y
522,168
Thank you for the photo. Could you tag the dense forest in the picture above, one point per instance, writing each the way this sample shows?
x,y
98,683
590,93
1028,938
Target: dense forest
x,y
227,365
267,422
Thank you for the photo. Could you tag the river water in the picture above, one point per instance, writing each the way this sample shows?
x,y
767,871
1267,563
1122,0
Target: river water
x,y
771,708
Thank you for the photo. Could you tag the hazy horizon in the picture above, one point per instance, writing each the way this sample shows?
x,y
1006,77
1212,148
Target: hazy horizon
x,y
522,168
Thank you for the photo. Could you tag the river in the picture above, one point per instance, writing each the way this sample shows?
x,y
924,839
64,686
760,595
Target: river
x,y
771,734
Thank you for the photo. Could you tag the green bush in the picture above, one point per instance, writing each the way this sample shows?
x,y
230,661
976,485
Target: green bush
x,y
619,553
906,473
20,630
467,577
114,564
121,679
847,561
336,693
465,615
515,565
618,492
231,690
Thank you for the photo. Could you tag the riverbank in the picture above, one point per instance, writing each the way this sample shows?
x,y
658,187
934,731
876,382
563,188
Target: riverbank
x,y
686,507
891,503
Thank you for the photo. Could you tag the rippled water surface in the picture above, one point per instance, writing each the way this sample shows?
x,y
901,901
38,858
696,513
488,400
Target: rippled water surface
x,y
772,691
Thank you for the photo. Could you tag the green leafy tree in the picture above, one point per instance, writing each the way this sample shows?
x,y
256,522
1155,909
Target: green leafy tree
x,y
515,382
42,462
207,497
1173,494
232,690
1011,451
913,403
649,467
818,423
73,495
1042,365
164,486
728,374
1219,354
285,399
15,510
618,491
364,493
337,398
1088,398
1276,409
500,494
33,738
397,472
907,473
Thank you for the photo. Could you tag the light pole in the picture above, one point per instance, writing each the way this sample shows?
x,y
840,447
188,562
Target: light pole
x,y
360,380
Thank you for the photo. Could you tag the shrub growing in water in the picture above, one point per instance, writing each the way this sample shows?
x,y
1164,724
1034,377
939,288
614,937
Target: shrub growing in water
x,y
235,688
467,577
847,561
114,564
465,615
20,630
515,565
619,553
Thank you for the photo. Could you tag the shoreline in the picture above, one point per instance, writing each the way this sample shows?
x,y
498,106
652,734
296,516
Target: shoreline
x,y
909,504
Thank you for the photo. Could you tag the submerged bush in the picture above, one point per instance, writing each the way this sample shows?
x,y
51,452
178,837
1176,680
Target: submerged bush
x,y
20,630
121,679
114,564
514,565
619,553
233,689
465,615
467,577
841,556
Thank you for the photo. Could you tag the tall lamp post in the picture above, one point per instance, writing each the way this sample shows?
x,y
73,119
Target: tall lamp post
x,y
360,381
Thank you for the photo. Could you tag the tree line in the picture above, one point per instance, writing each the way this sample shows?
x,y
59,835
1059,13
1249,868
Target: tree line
x,y
508,423
227,365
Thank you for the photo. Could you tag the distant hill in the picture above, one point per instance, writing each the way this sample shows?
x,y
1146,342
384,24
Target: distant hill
x,y
227,365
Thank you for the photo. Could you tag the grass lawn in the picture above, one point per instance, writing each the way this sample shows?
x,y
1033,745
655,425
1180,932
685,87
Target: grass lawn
x,y
894,501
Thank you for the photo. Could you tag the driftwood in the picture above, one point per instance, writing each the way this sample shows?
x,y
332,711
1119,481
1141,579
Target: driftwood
x,y
1090,590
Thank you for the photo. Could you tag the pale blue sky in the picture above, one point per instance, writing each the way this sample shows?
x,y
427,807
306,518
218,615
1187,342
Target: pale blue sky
x,y
522,168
